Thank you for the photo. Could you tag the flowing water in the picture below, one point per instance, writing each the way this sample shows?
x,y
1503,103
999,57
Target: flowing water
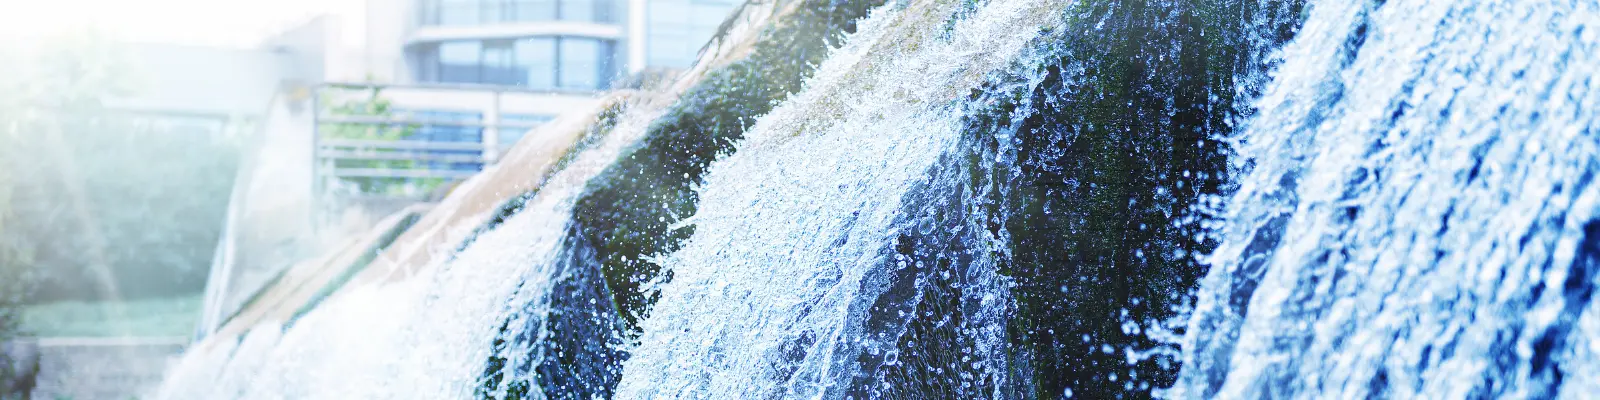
x,y
773,301
1416,213
421,338
1031,199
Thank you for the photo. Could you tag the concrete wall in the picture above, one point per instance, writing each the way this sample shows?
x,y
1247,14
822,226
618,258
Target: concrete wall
x,y
201,80
388,25
303,49
103,368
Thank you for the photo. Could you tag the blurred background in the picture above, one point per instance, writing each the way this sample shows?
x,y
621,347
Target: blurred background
x,y
160,160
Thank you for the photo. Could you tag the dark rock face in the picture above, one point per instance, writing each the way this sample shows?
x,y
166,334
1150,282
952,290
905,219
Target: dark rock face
x,y
580,351
623,217
626,211
1077,199
1083,182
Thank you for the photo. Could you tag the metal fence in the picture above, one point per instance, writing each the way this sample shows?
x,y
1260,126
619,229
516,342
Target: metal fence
x,y
396,133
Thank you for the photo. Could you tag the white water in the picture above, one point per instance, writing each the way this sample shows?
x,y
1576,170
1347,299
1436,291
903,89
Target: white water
x,y
1400,271
269,215
426,337
791,227
1396,208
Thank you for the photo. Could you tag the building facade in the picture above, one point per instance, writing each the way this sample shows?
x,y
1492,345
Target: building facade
x,y
557,46
548,57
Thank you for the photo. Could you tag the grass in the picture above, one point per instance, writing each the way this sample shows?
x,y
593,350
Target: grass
x,y
173,316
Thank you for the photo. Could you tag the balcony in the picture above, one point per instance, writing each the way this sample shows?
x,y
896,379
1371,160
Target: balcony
x,y
377,139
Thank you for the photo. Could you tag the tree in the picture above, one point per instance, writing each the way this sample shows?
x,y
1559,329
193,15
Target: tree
x,y
370,102
101,203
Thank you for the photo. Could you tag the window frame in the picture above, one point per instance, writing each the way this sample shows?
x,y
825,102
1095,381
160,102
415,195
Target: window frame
x,y
509,69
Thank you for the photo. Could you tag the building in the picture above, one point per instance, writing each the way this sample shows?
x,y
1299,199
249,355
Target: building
x,y
190,104
493,68
460,81
569,46
479,72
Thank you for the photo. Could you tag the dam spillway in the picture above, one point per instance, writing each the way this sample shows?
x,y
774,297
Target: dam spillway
x,y
1011,199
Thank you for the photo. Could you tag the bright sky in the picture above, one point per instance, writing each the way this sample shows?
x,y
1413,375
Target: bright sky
x,y
207,22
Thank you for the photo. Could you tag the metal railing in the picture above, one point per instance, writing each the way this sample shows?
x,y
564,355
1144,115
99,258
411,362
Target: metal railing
x,y
394,142
334,152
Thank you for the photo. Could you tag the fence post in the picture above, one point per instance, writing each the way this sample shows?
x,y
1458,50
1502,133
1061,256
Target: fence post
x,y
314,213
491,130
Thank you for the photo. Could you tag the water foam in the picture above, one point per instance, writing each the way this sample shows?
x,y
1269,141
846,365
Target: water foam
x,y
1411,210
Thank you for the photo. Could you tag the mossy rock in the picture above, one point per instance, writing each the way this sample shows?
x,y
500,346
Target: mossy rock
x,y
1089,208
623,218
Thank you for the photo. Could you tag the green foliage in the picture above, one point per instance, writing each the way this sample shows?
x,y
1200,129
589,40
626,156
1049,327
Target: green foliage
x,y
102,203
597,131
15,277
1124,147
626,211
373,105
1098,196
136,208
621,221
1112,127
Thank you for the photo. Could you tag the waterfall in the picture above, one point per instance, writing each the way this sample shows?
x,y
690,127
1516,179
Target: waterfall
x,y
1415,213
768,297
421,338
1019,199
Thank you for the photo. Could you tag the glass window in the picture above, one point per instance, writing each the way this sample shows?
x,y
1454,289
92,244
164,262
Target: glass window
x,y
457,12
426,59
677,29
586,10
536,60
533,10
494,11
499,66
580,63
669,46
459,62
537,63
447,133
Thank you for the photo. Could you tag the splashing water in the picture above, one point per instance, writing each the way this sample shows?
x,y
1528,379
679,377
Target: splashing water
x,y
1034,199
1416,212
420,338
768,303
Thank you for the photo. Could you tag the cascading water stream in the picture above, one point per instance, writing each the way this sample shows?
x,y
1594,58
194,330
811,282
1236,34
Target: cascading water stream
x,y
1029,199
768,298
1416,212
421,338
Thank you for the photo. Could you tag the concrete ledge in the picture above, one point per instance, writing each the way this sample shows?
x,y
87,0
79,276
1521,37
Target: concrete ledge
x,y
179,341
104,368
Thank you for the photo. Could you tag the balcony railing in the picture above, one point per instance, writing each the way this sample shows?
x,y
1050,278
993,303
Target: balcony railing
x,y
372,135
